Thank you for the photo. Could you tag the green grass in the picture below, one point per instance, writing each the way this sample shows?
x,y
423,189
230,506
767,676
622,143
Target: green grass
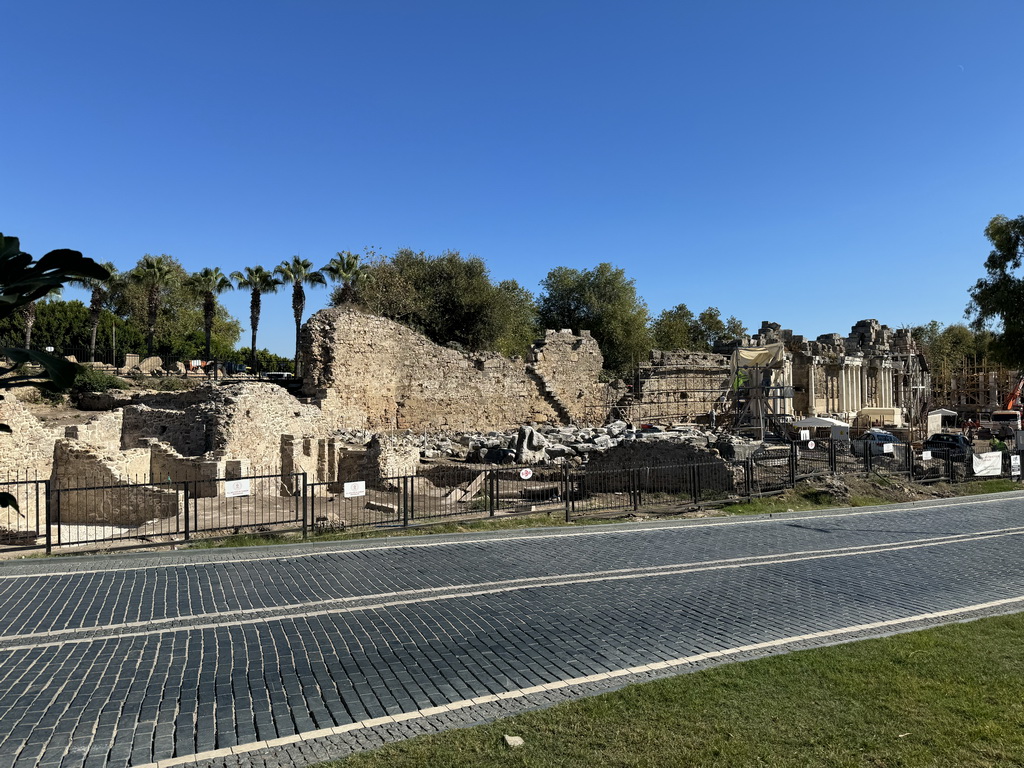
x,y
951,696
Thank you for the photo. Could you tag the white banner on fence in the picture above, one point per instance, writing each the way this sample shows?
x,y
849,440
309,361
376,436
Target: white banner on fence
x,y
234,488
1015,464
926,455
888,447
352,490
988,464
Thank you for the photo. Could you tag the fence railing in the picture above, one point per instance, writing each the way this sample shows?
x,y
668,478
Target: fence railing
x,y
77,513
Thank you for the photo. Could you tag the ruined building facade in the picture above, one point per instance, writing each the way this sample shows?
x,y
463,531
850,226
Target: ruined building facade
x,y
875,373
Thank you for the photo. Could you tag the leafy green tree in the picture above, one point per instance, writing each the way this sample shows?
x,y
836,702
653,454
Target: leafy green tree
x,y
24,280
257,281
449,298
99,296
674,328
604,301
948,348
346,270
298,272
154,274
711,330
211,283
997,300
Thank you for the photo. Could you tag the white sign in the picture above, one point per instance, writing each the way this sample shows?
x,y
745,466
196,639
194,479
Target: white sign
x,y
926,455
988,464
526,474
233,488
352,490
888,447
1015,464
810,445
805,435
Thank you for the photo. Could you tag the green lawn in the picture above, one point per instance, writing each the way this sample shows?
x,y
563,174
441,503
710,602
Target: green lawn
x,y
951,696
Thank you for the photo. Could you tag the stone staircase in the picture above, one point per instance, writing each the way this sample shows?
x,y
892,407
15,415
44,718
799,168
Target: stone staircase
x,y
549,395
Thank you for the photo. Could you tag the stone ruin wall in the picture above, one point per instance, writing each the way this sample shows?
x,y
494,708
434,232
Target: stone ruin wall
x,y
368,372
569,370
679,386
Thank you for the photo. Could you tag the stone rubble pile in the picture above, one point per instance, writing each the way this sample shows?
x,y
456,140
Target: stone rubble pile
x,y
551,444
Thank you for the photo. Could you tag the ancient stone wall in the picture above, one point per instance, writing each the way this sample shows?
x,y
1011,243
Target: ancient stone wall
x,y
367,372
117,504
569,369
27,450
102,431
185,430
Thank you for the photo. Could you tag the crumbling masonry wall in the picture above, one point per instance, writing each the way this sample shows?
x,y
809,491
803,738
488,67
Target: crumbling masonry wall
x,y
367,372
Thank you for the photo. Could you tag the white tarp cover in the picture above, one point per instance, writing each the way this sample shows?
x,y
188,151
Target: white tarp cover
x,y
942,412
767,356
988,464
819,421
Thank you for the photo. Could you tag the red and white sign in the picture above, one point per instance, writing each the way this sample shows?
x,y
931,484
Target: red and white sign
x,y
526,474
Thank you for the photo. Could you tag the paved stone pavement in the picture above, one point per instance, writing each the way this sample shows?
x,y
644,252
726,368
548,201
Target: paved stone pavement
x,y
289,655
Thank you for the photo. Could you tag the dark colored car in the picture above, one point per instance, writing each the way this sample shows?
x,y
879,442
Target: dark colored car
x,y
942,445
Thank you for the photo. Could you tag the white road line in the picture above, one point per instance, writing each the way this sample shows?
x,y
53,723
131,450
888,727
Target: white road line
x,y
496,539
575,681
492,588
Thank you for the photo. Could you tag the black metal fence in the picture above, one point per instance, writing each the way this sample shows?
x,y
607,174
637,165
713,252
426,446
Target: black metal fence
x,y
76,513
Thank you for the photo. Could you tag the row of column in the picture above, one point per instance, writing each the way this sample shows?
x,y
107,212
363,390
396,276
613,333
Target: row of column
x,y
853,388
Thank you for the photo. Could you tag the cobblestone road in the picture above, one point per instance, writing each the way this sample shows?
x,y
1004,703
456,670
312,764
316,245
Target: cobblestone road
x,y
290,655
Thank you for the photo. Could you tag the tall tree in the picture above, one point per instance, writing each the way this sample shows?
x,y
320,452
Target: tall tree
x,y
346,270
153,274
99,296
604,301
211,283
298,272
258,281
998,298
28,315
674,328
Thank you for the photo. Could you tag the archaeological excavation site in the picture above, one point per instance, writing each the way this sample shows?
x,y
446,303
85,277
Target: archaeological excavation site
x,y
387,430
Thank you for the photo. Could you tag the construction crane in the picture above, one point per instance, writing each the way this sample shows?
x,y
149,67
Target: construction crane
x,y
1008,420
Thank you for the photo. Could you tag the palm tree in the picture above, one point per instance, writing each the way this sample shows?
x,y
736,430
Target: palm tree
x,y
28,314
298,272
153,274
211,283
345,268
259,281
100,291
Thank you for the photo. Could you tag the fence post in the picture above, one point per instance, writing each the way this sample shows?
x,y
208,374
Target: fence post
x,y
910,461
185,507
748,480
697,490
567,492
634,491
867,459
792,465
305,506
49,539
405,501
492,490
833,458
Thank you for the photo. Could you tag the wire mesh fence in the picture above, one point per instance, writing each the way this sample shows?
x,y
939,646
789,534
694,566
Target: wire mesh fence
x,y
147,512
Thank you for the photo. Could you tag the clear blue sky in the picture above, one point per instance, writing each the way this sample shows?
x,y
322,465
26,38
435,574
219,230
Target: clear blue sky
x,y
811,163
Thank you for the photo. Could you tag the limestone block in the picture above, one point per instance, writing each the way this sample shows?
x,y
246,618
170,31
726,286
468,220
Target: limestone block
x,y
150,364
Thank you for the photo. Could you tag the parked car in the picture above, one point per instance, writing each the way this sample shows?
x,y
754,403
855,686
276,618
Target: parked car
x,y
942,445
873,441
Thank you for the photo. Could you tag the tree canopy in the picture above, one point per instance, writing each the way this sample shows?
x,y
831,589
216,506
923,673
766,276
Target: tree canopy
x,y
603,301
449,298
677,328
997,300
